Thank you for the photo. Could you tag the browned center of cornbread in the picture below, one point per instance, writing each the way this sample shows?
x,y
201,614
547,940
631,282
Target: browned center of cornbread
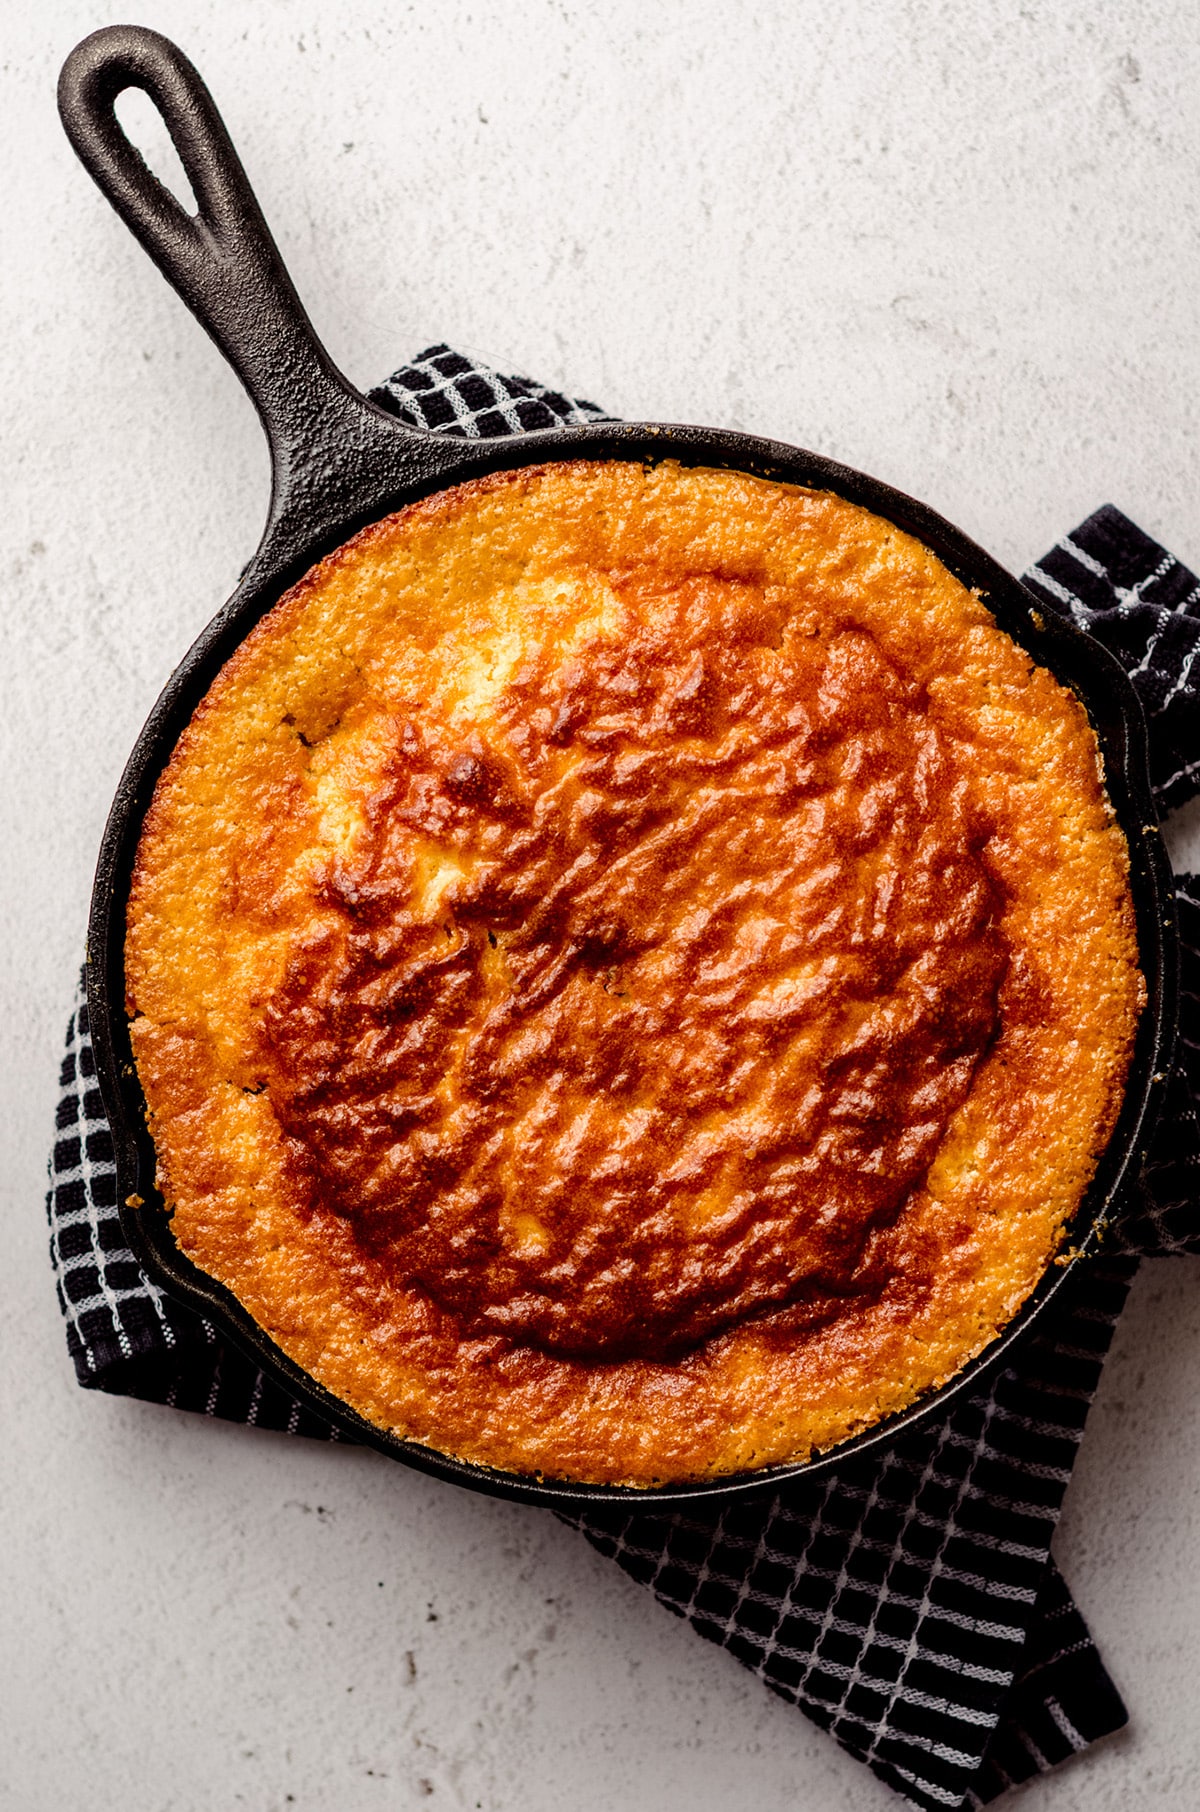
x,y
679,1018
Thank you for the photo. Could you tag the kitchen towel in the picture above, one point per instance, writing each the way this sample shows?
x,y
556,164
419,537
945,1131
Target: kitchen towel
x,y
906,1600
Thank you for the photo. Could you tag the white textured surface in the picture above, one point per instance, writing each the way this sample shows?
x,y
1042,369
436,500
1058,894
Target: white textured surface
x,y
957,246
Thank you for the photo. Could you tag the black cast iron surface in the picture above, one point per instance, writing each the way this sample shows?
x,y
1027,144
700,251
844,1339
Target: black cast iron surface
x,y
339,463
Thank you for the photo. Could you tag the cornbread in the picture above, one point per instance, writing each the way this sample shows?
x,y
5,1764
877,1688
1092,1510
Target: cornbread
x,y
631,971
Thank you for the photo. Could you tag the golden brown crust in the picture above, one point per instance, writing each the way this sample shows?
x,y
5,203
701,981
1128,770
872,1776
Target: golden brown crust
x,y
631,971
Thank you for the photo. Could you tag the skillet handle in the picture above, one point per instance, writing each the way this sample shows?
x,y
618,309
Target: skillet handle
x,y
225,265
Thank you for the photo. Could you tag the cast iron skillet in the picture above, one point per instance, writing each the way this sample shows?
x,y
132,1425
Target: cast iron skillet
x,y
338,463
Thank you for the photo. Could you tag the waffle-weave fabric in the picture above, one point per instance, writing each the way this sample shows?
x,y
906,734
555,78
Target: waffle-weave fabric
x,y
905,1601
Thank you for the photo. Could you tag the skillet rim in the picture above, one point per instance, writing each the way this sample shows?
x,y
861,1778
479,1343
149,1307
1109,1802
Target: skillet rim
x,y
368,494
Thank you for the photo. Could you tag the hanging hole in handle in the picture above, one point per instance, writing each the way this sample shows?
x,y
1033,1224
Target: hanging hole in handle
x,y
146,130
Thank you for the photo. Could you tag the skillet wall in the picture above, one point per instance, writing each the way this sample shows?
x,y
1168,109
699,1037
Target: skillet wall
x,y
362,497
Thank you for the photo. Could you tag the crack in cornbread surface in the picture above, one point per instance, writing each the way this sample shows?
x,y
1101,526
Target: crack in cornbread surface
x,y
631,972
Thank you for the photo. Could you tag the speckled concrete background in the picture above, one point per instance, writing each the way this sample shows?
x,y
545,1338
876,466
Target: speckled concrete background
x,y
956,245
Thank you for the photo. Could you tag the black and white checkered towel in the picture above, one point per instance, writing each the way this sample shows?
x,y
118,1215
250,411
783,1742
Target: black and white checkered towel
x,y
906,1601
